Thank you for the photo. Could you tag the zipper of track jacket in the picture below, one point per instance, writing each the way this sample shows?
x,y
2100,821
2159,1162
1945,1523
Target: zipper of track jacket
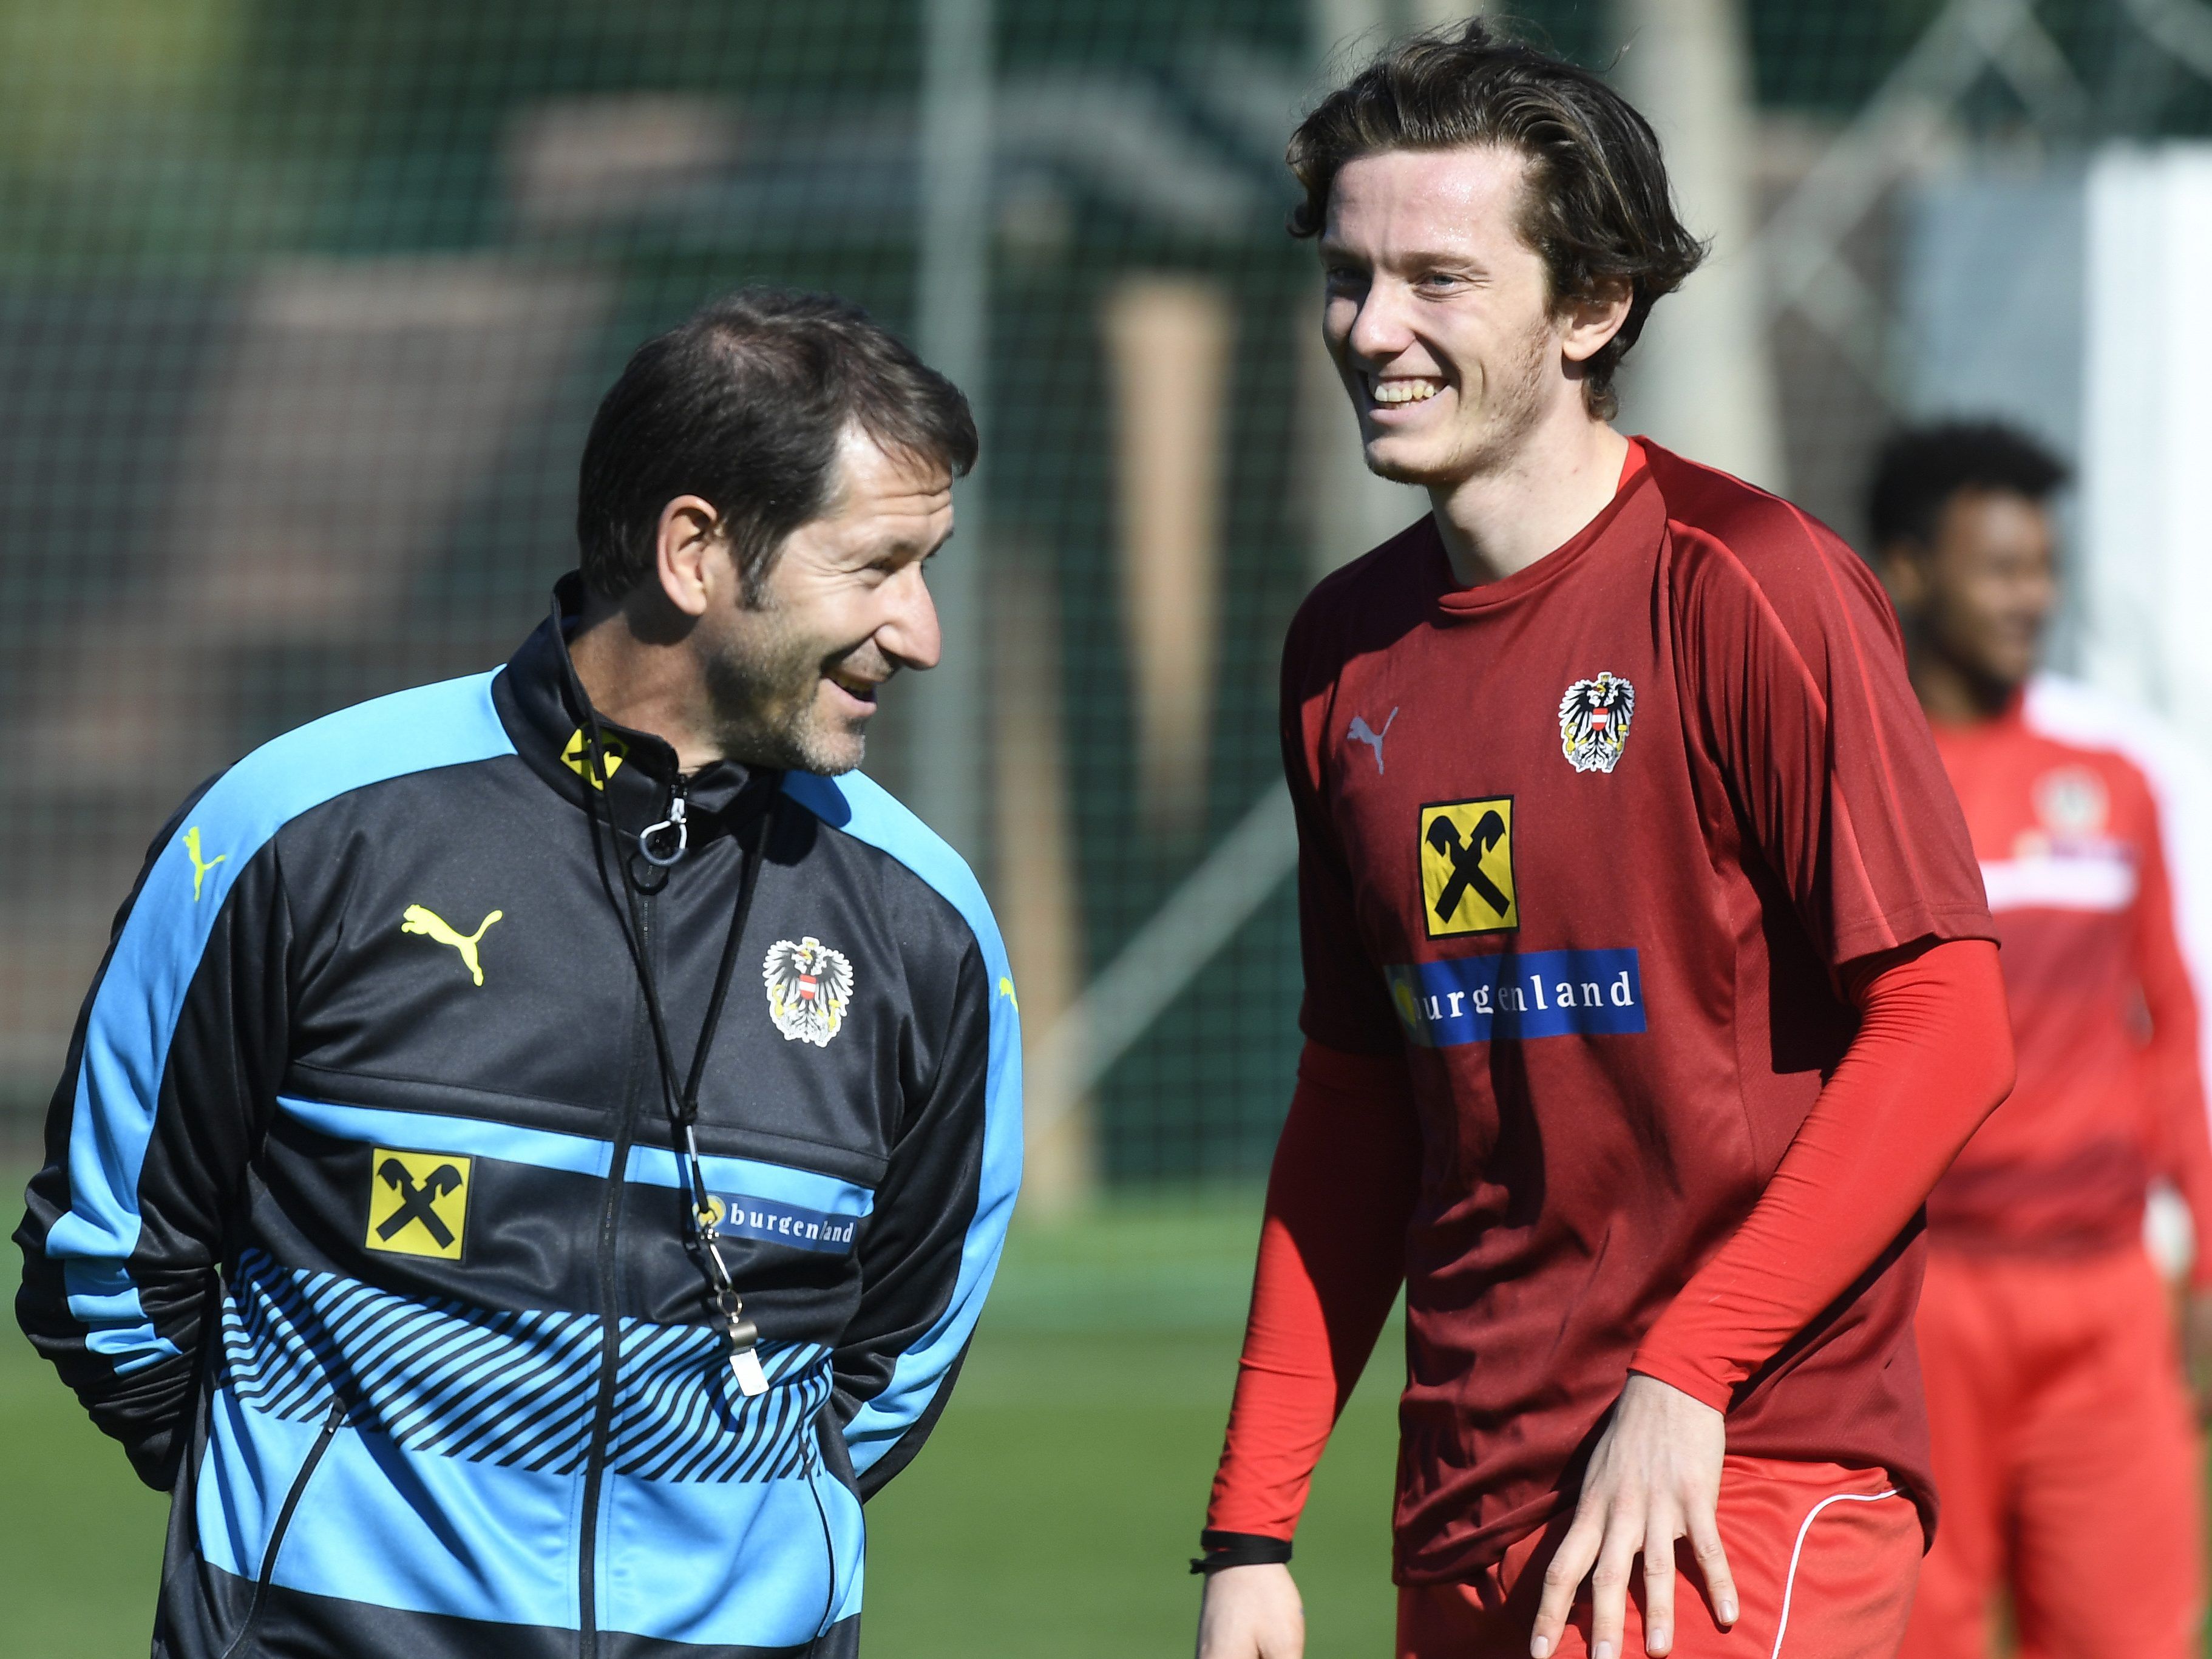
x,y
602,1409
331,1419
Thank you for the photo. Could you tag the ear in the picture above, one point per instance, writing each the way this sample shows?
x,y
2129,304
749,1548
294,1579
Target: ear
x,y
691,558
1594,318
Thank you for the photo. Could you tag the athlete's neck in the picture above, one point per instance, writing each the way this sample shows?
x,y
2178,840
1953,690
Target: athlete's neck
x,y
1951,692
638,673
1504,519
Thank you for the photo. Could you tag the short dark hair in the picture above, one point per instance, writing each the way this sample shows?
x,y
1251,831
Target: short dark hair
x,y
744,405
1597,208
1920,469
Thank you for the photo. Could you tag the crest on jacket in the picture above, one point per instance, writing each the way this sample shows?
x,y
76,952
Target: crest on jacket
x,y
808,986
1594,719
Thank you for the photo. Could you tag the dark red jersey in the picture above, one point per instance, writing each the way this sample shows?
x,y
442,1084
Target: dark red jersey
x,y
2079,809
1588,845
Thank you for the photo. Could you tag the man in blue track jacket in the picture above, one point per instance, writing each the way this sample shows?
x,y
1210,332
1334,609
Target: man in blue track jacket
x,y
532,1159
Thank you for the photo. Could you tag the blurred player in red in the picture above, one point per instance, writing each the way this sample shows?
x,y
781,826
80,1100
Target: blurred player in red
x,y
2064,1447
1648,982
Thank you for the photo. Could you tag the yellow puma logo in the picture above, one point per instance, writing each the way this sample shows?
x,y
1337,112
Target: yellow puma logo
x,y
1007,990
200,866
420,919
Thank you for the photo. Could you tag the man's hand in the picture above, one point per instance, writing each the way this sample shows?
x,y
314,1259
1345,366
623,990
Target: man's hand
x,y
1251,1613
1655,1477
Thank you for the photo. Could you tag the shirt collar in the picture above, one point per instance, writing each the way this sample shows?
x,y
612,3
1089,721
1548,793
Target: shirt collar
x,y
541,703
1635,516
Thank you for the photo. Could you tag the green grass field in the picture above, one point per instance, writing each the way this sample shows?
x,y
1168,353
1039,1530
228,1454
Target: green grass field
x,y
1051,1515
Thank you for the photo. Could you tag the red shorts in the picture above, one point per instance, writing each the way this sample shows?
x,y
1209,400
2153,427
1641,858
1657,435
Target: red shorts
x,y
2067,1458
1824,1557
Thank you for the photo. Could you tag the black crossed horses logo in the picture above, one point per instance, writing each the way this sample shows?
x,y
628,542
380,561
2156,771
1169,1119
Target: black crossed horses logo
x,y
1466,857
416,1202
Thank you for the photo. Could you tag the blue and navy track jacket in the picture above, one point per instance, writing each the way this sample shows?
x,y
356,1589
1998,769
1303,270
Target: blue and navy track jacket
x,y
362,1225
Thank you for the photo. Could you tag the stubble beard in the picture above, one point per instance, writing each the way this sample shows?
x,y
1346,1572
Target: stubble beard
x,y
767,704
1509,414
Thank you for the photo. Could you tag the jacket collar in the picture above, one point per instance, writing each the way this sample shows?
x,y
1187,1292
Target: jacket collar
x,y
542,703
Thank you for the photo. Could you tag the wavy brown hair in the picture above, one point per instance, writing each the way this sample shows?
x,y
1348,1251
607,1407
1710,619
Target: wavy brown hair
x,y
1595,206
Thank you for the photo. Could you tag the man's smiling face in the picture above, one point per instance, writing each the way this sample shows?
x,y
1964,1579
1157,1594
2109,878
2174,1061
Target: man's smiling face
x,y
792,675
1438,313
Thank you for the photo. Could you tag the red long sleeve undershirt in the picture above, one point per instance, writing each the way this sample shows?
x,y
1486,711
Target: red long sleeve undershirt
x,y
1331,1254
1931,1058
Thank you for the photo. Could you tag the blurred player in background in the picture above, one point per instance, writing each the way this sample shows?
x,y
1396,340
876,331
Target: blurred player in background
x,y
2063,1445
1649,981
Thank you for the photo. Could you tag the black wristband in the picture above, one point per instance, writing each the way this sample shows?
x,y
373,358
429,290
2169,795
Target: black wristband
x,y
1237,1549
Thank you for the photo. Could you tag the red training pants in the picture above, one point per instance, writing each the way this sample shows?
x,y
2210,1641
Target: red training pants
x,y
1823,1558
2066,1460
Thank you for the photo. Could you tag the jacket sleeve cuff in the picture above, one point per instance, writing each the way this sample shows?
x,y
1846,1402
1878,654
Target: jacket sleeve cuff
x,y
1237,1549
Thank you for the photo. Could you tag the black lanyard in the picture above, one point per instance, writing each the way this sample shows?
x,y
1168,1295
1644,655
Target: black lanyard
x,y
742,1335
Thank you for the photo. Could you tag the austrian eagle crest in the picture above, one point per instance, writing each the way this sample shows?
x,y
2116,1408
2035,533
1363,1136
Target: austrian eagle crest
x,y
1594,719
808,986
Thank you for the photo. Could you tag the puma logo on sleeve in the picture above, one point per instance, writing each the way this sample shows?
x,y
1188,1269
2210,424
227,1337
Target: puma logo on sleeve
x,y
200,866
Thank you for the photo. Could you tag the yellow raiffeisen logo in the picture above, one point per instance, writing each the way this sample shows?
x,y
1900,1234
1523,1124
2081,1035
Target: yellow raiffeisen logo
x,y
1467,867
418,1203
576,755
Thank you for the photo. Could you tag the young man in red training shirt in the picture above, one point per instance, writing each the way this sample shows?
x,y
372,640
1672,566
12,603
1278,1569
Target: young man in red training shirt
x,y
2063,1441
1648,985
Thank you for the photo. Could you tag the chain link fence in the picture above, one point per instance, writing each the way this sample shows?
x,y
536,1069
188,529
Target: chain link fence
x,y
305,306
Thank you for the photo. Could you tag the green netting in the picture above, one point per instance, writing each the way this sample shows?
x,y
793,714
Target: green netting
x,y
305,304
304,308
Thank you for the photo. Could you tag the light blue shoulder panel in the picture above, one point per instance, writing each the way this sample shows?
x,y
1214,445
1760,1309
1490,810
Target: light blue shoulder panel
x,y
867,811
135,1012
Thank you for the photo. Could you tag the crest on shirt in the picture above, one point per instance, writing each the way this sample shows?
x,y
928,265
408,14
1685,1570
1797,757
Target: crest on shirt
x,y
1594,719
2072,802
808,986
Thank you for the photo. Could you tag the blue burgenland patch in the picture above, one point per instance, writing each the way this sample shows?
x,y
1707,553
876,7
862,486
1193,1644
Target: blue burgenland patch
x,y
1535,993
774,1222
